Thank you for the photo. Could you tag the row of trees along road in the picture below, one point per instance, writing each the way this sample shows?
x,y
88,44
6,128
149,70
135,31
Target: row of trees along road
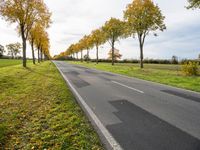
x,y
32,18
141,18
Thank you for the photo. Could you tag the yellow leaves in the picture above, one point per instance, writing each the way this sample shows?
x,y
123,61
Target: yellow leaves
x,y
41,39
114,28
143,16
25,12
98,37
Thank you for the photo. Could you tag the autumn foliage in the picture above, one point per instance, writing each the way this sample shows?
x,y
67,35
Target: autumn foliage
x,y
27,14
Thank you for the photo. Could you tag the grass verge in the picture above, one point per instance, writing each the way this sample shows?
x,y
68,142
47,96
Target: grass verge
x,y
38,111
165,74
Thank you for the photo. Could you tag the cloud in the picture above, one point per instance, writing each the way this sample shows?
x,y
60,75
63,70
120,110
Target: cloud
x,y
74,18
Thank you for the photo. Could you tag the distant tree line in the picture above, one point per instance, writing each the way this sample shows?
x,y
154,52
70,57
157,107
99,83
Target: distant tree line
x,y
13,50
133,61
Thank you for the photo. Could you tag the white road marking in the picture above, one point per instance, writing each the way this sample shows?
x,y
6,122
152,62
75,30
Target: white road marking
x,y
110,139
128,87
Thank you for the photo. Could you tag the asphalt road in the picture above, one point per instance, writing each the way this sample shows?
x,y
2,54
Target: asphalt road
x,y
139,115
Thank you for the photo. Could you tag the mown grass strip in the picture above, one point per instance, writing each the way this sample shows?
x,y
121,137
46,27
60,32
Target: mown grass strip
x,y
165,74
38,111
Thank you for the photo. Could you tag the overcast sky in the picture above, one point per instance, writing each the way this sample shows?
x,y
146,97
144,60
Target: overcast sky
x,y
72,19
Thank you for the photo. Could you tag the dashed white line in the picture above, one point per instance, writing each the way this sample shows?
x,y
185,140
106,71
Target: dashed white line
x,y
128,87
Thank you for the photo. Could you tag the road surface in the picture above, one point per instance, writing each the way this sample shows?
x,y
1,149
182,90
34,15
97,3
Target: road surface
x,y
136,114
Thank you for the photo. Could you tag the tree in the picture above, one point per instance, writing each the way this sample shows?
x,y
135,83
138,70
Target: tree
x,y
117,55
44,49
76,49
81,48
2,50
113,29
38,37
174,60
98,38
42,43
13,49
193,4
32,37
87,40
25,13
143,17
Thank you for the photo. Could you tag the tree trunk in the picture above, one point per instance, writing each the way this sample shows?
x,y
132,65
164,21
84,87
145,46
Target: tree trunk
x,y
141,55
38,54
12,55
81,56
97,54
41,55
113,53
77,56
33,54
88,55
23,45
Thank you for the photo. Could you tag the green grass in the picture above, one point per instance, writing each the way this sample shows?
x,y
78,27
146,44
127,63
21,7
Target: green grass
x,y
9,62
165,74
38,111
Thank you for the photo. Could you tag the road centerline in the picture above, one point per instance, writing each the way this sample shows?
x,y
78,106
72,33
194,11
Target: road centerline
x,y
131,88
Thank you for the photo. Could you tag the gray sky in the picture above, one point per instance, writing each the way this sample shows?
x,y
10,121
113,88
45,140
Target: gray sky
x,y
74,18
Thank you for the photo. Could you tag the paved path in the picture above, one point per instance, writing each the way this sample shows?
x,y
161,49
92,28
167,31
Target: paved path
x,y
135,114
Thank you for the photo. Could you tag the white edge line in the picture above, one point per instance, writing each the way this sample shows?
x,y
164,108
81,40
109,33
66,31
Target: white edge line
x,y
128,87
110,139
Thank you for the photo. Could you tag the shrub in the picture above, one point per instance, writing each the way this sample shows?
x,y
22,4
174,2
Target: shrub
x,y
190,68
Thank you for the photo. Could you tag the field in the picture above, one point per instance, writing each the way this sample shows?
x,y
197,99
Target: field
x,y
165,74
38,111
10,62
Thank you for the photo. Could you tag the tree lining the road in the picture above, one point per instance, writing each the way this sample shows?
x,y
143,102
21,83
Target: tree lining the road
x,y
26,14
98,37
142,18
114,29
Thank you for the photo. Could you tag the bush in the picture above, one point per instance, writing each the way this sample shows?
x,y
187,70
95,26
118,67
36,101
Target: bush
x,y
157,61
135,61
190,68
